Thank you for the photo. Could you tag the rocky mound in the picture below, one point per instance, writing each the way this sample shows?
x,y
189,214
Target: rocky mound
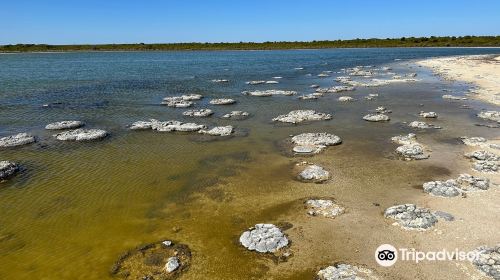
x,y
264,238
64,125
413,151
269,92
238,115
81,135
16,140
314,173
345,99
453,97
376,118
218,131
182,101
161,261
298,116
411,217
310,96
198,113
405,139
474,141
488,261
323,207
335,89
490,115
7,169
313,143
166,126
431,115
422,125
483,155
454,187
222,101
485,166
346,272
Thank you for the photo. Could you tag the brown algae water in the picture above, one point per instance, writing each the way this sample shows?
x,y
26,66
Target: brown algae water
x,y
76,207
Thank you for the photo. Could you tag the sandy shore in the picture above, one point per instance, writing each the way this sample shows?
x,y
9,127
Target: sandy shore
x,y
481,70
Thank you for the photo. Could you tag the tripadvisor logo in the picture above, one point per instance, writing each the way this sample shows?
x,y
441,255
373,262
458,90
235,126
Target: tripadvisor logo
x,y
387,255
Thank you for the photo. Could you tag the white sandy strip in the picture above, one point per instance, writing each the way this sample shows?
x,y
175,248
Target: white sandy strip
x,y
481,70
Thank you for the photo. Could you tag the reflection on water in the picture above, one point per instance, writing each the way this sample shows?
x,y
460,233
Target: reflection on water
x,y
78,206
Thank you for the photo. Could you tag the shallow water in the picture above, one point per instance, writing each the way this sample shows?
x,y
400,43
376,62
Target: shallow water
x,y
77,206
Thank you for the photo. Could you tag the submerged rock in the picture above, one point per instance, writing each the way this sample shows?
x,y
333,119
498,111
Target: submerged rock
x,y
264,238
7,169
428,114
64,125
81,135
488,260
153,261
346,272
422,125
269,92
172,264
198,113
236,115
405,139
222,101
312,143
16,140
314,86
413,151
298,116
218,131
490,115
324,207
314,173
411,217
376,118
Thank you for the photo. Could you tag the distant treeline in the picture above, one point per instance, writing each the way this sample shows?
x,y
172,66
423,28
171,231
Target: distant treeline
x,y
463,41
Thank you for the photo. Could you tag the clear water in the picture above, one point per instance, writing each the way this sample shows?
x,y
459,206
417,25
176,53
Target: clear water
x,y
77,206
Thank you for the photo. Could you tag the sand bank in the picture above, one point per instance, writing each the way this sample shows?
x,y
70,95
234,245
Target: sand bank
x,y
483,71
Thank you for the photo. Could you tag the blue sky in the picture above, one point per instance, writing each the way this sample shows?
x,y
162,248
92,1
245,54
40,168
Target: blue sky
x,y
154,21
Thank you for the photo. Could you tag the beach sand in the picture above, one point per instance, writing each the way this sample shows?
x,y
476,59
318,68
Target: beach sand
x,y
483,71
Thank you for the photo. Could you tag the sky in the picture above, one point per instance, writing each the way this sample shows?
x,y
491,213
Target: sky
x,y
168,21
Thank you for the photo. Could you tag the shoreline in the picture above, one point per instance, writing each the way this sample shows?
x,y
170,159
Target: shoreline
x,y
241,50
482,71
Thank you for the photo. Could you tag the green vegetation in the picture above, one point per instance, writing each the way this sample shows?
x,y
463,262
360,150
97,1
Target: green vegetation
x,y
465,41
